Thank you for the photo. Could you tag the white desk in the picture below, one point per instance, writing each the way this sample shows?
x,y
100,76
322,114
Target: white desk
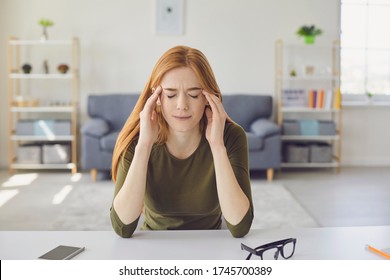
x,y
346,243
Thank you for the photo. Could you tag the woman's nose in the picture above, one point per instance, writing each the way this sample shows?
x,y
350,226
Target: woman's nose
x,y
182,102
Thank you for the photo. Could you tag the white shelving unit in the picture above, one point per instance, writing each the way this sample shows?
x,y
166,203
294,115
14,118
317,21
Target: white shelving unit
x,y
28,111
291,64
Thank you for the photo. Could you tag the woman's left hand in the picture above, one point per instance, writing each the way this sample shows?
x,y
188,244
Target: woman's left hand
x,y
216,117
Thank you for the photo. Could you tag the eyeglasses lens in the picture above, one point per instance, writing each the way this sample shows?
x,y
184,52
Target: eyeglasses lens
x,y
288,250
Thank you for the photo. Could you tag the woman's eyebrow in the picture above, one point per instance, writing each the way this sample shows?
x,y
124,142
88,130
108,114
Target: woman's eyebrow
x,y
194,88
170,89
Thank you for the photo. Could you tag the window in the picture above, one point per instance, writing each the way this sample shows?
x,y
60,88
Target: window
x,y
365,47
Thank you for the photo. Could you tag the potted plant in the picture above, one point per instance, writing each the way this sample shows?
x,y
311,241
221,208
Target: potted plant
x,y
45,23
309,32
26,68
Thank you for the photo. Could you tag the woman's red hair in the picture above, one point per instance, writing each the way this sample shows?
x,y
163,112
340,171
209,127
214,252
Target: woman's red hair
x,y
176,57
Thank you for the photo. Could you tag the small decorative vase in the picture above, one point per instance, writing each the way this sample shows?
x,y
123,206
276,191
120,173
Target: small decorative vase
x,y
44,36
310,39
63,68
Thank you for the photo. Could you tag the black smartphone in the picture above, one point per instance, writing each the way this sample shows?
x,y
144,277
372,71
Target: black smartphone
x,y
62,253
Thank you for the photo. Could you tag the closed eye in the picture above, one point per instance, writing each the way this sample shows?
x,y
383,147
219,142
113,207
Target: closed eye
x,y
194,92
170,92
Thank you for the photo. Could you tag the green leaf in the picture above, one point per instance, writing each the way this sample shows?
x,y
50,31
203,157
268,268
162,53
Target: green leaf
x,y
308,30
45,22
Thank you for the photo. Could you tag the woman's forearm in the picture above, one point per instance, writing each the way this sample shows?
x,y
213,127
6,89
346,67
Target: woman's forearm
x,y
129,201
234,203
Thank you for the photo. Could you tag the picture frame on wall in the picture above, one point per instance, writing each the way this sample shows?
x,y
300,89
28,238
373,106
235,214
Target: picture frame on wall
x,y
169,17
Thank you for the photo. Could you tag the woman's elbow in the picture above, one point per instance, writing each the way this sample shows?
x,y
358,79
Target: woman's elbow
x,y
241,233
123,234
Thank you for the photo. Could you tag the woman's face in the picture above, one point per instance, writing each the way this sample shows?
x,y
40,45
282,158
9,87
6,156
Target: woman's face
x,y
182,101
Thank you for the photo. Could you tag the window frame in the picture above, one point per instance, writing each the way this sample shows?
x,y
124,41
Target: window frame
x,y
347,49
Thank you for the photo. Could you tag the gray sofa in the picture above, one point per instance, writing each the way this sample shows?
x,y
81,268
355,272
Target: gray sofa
x,y
253,113
109,112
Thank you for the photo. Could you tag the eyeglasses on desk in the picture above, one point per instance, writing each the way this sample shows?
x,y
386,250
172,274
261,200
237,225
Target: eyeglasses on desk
x,y
269,251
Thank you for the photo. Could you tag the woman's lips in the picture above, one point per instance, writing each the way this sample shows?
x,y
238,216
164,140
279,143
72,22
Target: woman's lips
x,y
182,118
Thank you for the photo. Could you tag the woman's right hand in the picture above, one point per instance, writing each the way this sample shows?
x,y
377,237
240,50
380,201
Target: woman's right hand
x,y
148,120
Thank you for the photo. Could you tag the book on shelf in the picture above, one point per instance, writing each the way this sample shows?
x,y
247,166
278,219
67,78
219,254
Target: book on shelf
x,y
313,99
328,99
337,99
319,99
294,98
312,95
316,99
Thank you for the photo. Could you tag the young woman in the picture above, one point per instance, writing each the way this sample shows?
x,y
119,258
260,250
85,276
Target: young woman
x,y
179,159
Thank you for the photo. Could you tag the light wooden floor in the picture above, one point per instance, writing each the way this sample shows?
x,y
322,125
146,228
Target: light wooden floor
x,y
358,196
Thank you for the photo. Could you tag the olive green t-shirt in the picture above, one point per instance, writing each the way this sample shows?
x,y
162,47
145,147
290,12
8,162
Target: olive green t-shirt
x,y
181,194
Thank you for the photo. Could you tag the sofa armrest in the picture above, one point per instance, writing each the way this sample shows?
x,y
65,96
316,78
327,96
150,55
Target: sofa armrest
x,y
95,127
264,128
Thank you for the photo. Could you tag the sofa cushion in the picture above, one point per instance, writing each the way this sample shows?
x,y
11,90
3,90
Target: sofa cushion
x,y
264,128
108,141
95,127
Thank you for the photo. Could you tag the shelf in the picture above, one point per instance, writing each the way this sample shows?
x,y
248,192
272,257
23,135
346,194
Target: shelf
x,y
326,58
43,166
40,42
309,78
34,100
43,109
42,138
335,45
310,165
310,138
307,110
40,76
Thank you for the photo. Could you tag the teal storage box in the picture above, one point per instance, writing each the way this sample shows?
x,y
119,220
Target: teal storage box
x,y
309,127
44,128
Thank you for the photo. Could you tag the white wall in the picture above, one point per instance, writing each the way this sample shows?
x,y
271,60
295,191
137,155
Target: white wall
x,y
366,136
119,45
